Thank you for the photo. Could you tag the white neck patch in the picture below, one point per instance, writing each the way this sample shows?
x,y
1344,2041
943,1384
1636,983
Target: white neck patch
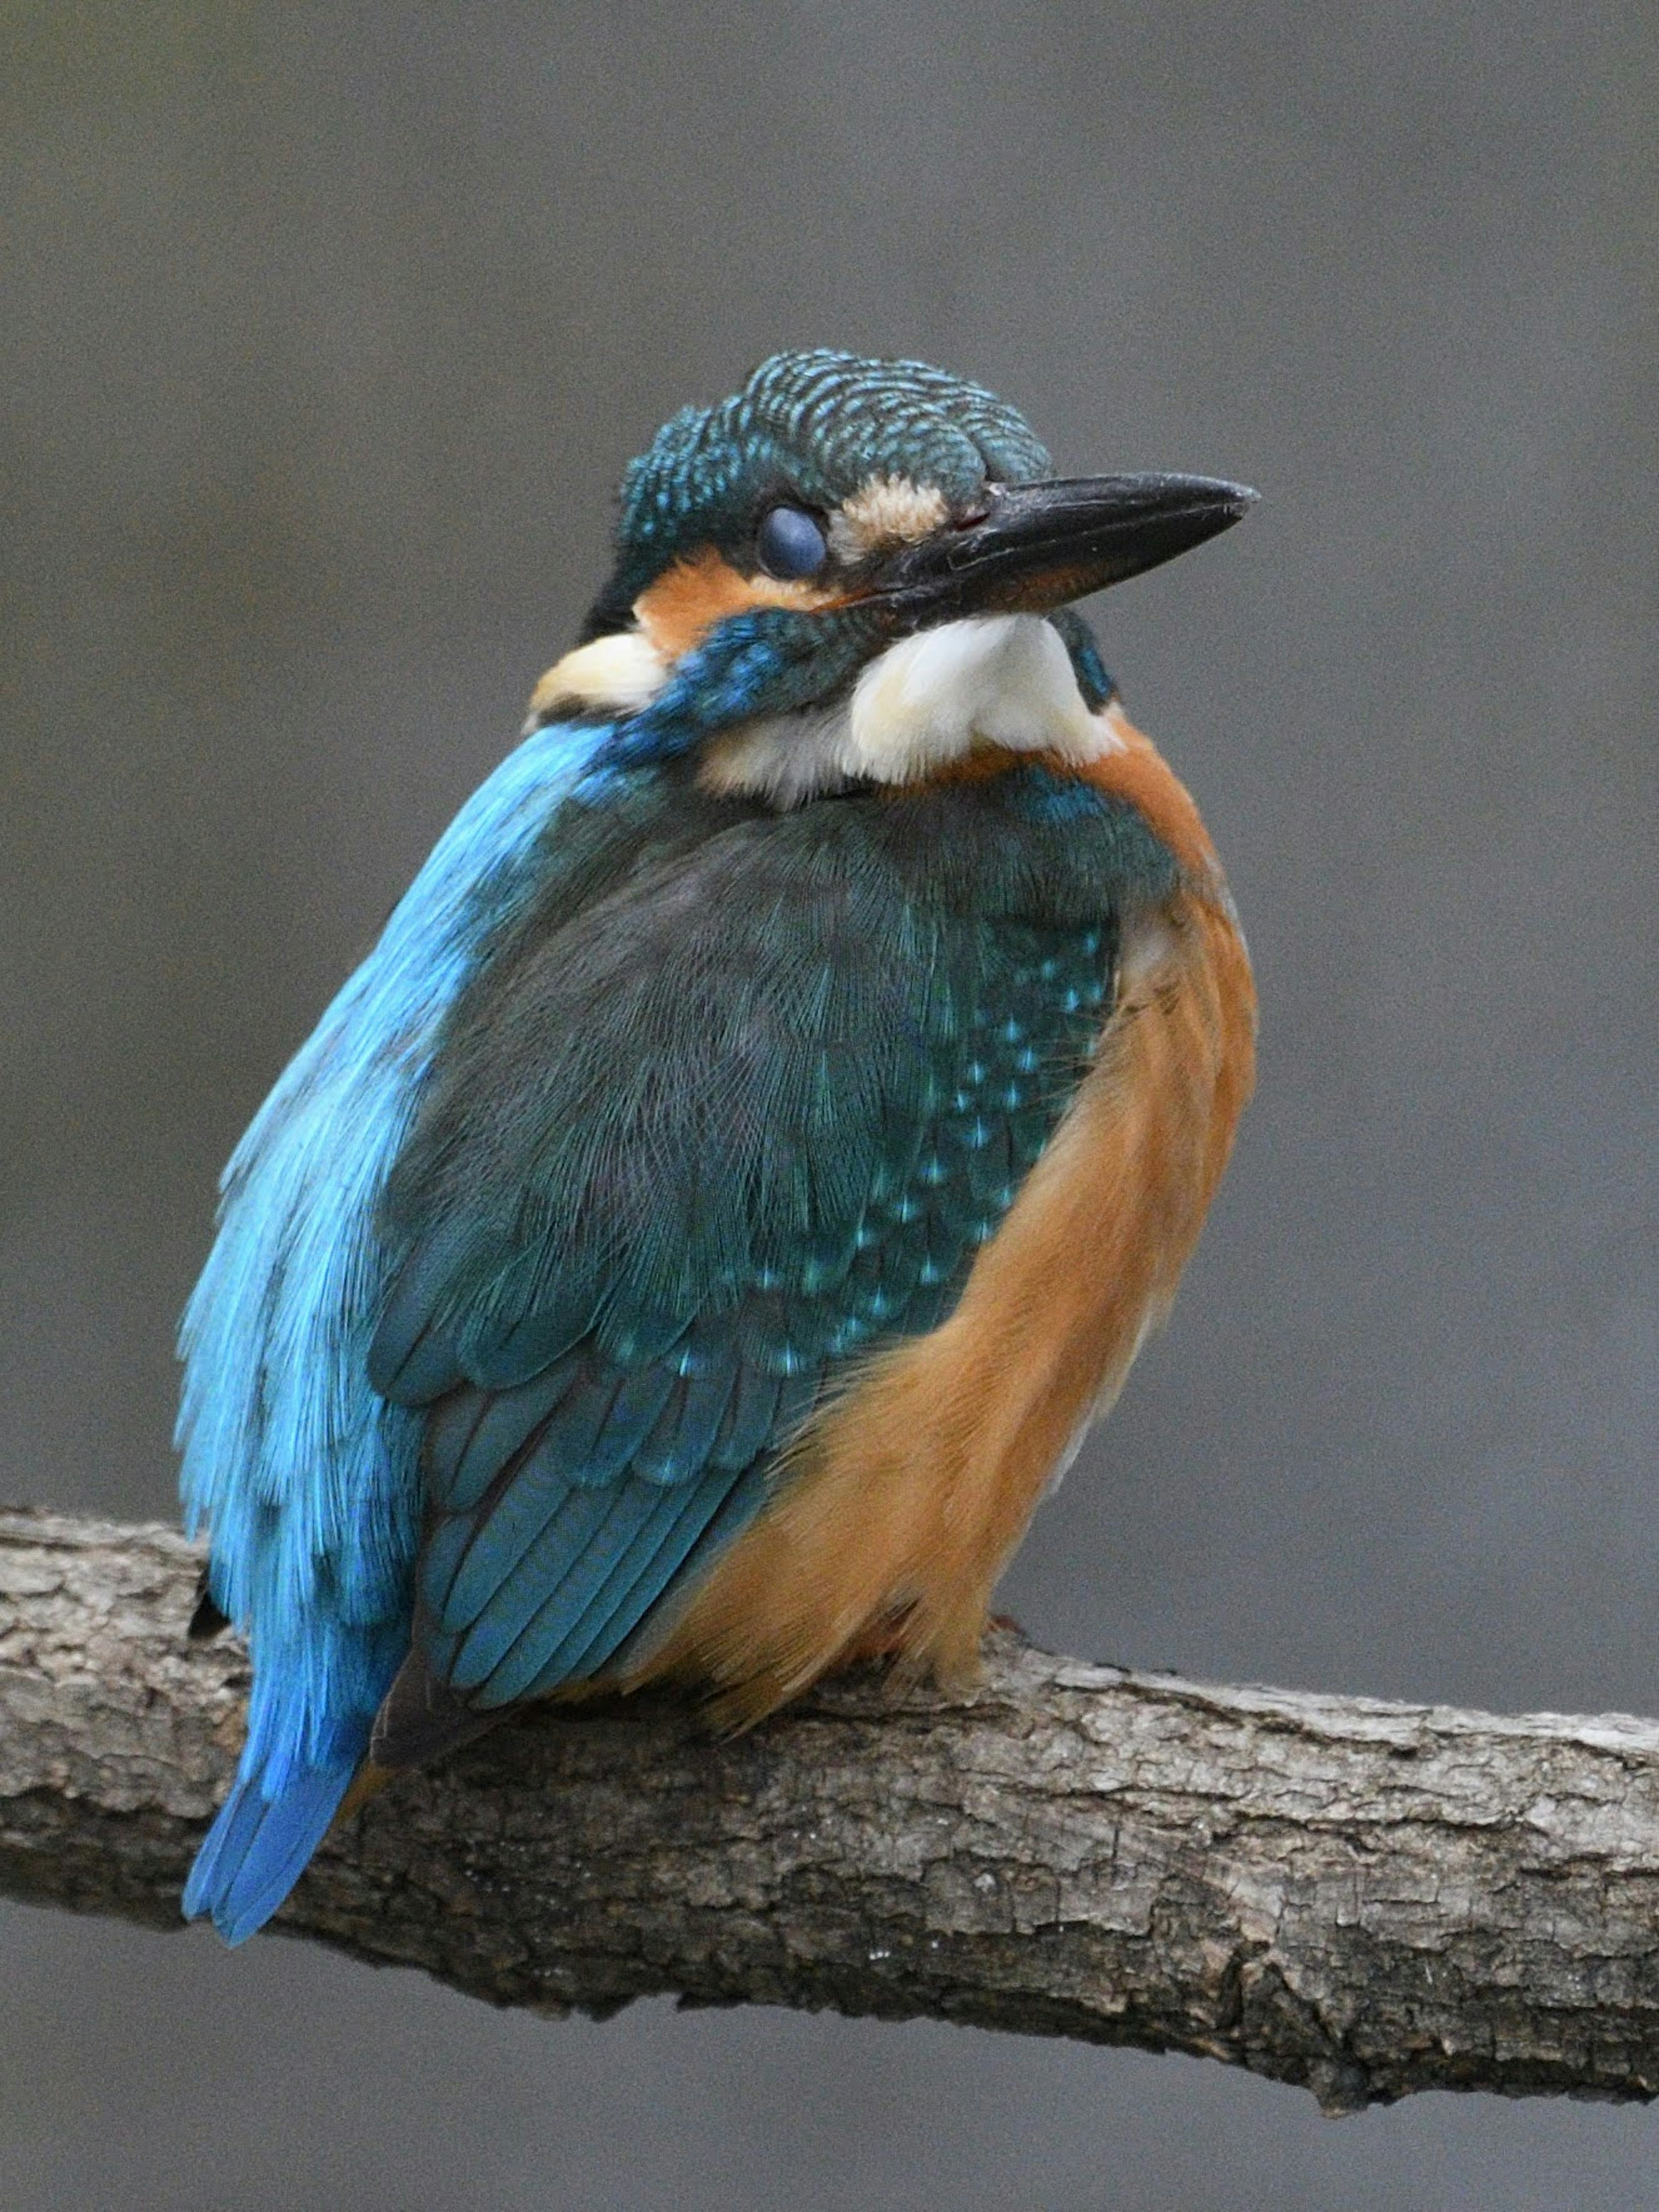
x,y
621,671
991,682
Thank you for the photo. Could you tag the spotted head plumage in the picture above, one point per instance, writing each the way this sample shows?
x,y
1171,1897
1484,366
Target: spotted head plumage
x,y
813,429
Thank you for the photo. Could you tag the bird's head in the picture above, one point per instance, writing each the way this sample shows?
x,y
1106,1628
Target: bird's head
x,y
859,570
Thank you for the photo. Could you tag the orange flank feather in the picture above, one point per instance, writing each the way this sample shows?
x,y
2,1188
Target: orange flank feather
x,y
899,1504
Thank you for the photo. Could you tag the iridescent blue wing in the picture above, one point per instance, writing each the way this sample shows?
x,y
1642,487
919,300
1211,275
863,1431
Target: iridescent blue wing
x,y
685,1154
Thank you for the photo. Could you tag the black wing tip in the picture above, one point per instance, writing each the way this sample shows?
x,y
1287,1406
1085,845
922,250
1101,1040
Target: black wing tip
x,y
421,1716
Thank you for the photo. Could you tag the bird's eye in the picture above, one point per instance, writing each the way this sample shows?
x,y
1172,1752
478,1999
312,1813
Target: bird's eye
x,y
790,545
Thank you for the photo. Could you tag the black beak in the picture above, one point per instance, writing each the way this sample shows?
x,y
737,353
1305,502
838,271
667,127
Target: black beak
x,y
1035,546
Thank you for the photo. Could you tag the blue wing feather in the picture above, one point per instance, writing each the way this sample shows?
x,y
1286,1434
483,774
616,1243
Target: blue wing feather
x,y
647,1112
507,1648
682,1441
578,1640
692,1546
778,1121
502,1603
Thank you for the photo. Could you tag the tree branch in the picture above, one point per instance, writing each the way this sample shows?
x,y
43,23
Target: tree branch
x,y
1367,1898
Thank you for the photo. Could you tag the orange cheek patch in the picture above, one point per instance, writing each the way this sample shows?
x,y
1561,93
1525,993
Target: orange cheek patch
x,y
679,609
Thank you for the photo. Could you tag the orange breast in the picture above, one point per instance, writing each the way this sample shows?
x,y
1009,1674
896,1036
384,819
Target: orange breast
x,y
898,1507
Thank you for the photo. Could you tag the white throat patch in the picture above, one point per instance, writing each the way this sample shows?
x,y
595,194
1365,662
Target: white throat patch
x,y
991,682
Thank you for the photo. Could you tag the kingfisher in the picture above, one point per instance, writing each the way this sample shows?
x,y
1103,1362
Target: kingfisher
x,y
707,1222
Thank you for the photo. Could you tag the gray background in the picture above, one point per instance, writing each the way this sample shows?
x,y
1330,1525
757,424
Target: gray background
x,y
324,335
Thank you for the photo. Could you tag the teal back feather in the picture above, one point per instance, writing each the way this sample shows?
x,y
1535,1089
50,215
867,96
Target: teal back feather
x,y
743,1115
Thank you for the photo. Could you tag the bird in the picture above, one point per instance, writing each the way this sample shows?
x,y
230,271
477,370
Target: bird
x,y
707,1223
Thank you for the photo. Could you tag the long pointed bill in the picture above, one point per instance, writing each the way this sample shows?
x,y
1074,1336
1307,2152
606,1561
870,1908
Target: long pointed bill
x,y
1037,546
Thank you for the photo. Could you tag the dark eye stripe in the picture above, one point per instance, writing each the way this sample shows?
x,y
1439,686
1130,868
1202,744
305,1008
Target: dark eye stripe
x,y
790,544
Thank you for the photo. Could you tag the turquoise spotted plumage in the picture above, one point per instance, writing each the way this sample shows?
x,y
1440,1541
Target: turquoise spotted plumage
x,y
869,1061
657,1109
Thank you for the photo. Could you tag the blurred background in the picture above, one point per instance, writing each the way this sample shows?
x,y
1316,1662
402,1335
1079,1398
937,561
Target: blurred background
x,y
325,334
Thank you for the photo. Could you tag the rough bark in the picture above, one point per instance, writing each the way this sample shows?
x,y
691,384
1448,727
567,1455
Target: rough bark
x,y
1366,1899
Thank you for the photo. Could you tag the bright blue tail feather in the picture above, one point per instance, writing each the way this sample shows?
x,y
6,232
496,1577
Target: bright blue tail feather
x,y
259,1847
